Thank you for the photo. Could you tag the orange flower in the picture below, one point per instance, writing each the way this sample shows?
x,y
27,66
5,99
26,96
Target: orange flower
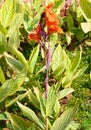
x,y
51,20
54,29
36,34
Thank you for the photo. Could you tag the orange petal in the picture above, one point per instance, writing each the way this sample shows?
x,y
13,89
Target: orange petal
x,y
36,34
54,29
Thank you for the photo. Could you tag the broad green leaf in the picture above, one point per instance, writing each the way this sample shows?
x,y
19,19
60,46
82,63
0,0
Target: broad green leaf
x,y
43,106
18,54
86,26
64,120
19,123
16,22
20,6
73,126
27,112
2,77
57,57
17,82
14,37
37,4
86,9
75,62
7,12
70,22
80,72
61,94
4,116
2,29
58,85
32,59
58,5
59,71
2,38
66,60
18,98
3,43
35,21
50,102
56,109
34,100
13,63
33,127
67,79
4,89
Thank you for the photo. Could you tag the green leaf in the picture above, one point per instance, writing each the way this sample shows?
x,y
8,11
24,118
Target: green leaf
x,y
70,22
80,72
75,62
18,54
18,98
67,79
19,123
2,29
14,37
17,82
64,120
37,4
11,86
2,77
43,106
7,12
34,100
57,57
27,112
58,5
16,22
4,116
73,126
4,89
59,71
33,127
13,63
61,94
32,59
50,102
3,43
86,26
86,9
35,21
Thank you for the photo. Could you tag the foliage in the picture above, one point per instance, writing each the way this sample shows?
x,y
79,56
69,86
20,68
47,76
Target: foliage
x,y
33,87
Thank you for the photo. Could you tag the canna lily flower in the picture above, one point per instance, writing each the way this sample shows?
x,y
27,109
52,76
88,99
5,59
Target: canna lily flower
x,y
54,28
36,34
51,20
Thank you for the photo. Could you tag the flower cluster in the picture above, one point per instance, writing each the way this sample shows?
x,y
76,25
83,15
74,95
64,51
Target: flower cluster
x,y
51,22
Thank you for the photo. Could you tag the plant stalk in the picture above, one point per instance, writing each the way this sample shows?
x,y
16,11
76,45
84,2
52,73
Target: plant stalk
x,y
47,68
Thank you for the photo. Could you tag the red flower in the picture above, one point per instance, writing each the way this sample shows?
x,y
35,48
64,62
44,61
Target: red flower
x,y
36,34
51,20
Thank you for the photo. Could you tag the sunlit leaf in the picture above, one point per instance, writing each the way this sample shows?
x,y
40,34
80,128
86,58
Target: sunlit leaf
x,y
32,59
19,123
61,94
75,62
86,9
2,77
7,12
86,26
64,120
27,112
13,63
